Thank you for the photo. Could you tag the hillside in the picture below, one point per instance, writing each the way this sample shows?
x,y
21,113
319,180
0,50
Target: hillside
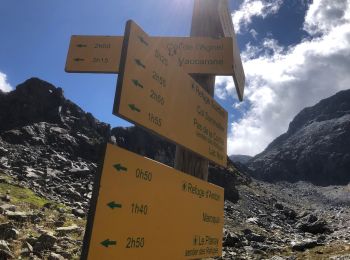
x,y
49,153
316,147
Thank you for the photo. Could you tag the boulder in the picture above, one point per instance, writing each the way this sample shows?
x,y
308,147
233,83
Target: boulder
x,y
303,245
45,242
5,252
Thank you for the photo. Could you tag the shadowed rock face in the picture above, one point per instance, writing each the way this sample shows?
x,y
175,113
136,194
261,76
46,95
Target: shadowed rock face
x,y
315,148
37,113
33,101
48,143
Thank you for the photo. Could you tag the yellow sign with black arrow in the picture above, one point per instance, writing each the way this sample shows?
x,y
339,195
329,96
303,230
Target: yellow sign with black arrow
x,y
153,91
143,209
197,55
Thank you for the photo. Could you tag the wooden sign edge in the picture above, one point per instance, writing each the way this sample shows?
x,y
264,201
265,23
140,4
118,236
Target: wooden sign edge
x,y
93,205
122,62
117,98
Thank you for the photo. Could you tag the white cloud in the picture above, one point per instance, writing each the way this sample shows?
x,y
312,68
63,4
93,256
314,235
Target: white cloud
x,y
254,33
282,81
324,15
250,8
4,85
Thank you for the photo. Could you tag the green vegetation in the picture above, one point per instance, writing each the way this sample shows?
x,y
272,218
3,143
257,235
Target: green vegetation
x,y
20,195
26,200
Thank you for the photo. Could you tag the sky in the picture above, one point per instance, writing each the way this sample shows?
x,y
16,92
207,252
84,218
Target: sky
x,y
294,53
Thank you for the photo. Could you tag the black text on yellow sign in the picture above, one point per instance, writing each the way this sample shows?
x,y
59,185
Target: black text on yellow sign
x,y
197,55
193,54
154,91
146,210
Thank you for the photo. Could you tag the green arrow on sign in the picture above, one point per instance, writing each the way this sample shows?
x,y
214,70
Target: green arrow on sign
x,y
134,108
139,63
108,243
114,205
142,40
78,59
137,83
120,167
81,45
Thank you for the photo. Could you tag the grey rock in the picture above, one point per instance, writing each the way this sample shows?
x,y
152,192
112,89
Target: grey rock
x,y
7,231
290,213
253,220
66,230
18,216
7,207
4,228
315,227
5,252
277,258
303,245
27,249
230,239
6,198
279,206
4,245
45,242
255,237
78,212
54,256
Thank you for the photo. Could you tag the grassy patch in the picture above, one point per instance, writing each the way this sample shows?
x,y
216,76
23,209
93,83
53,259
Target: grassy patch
x,y
26,200
20,195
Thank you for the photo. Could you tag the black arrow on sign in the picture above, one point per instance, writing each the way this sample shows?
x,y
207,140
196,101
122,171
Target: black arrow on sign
x,y
114,205
108,243
120,167
134,108
139,63
81,45
142,40
137,83
78,59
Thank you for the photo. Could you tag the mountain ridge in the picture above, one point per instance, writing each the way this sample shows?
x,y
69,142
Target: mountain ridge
x,y
315,148
54,150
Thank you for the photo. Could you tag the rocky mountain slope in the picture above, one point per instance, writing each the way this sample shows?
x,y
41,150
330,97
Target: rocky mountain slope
x,y
240,158
315,148
55,146
52,147
48,143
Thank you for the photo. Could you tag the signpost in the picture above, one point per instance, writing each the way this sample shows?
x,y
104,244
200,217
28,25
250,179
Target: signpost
x,y
154,92
196,55
205,23
142,209
146,210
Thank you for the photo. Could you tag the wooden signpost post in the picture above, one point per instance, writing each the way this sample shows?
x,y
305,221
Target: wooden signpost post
x,y
142,209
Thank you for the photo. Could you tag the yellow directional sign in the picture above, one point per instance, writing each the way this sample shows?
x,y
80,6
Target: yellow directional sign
x,y
229,31
94,54
146,210
154,91
201,55
195,54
